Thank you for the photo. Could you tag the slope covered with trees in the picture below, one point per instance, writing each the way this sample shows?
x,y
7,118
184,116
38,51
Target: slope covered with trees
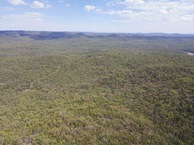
x,y
121,93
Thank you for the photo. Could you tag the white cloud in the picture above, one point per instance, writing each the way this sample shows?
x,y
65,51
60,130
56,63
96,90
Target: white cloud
x,y
89,8
34,14
37,5
122,13
26,21
152,10
164,11
189,18
7,9
40,5
17,2
26,17
61,1
152,15
48,6
67,5
136,2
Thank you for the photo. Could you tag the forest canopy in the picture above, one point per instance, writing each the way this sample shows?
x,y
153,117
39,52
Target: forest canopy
x,y
91,88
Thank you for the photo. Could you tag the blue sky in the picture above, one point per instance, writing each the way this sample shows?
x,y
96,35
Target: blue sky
x,y
145,16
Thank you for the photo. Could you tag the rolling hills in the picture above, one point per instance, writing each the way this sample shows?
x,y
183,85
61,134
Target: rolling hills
x,y
96,88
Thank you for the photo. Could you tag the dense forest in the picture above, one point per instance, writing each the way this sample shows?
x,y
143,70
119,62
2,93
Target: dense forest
x,y
88,88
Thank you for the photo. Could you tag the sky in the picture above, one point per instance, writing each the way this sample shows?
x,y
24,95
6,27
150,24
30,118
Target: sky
x,y
125,16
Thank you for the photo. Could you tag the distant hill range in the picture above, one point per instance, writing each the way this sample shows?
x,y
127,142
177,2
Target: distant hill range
x,y
46,35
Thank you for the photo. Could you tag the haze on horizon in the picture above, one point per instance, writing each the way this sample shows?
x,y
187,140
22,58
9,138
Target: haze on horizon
x,y
130,16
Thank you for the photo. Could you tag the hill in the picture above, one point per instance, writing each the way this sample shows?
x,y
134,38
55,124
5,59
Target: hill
x,y
88,88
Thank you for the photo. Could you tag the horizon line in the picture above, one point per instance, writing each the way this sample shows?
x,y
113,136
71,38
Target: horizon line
x,y
167,33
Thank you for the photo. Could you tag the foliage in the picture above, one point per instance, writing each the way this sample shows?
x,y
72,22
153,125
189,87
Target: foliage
x,y
98,96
